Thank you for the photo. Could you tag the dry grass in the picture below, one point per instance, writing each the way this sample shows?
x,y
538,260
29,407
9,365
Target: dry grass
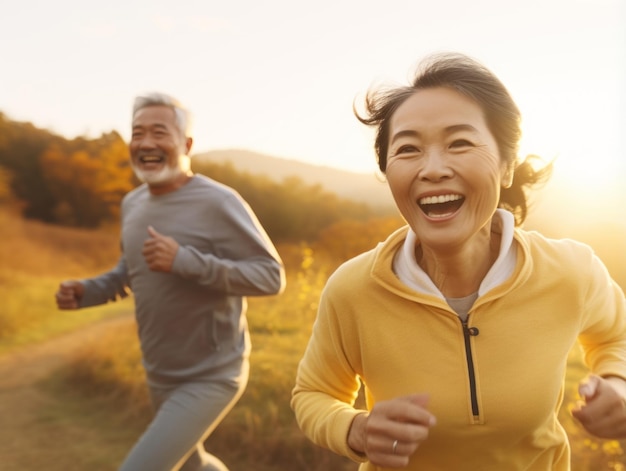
x,y
260,433
36,257
35,248
105,379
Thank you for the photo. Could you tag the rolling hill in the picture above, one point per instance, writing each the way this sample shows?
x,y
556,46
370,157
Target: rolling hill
x,y
361,187
557,210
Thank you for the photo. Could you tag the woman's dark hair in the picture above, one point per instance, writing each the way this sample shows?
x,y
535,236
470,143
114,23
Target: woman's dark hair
x,y
472,79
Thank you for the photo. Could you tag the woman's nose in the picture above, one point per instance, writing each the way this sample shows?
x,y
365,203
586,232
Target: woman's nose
x,y
435,166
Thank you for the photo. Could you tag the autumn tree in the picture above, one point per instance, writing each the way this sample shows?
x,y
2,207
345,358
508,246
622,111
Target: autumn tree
x,y
289,210
6,177
87,178
81,182
21,145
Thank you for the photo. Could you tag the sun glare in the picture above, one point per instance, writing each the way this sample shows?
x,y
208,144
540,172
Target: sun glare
x,y
580,161
586,183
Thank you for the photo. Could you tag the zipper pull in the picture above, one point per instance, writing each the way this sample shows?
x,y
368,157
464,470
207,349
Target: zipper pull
x,y
470,331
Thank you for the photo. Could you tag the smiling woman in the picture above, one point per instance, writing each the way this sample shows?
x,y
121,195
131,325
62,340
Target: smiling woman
x,y
436,134
495,309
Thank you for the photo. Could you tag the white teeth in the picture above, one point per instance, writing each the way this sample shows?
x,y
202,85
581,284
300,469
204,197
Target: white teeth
x,y
439,199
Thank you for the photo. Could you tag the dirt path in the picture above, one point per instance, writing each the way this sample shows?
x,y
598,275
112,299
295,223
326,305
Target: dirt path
x,y
29,438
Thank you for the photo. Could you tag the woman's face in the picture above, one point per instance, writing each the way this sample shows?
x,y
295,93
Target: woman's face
x,y
444,168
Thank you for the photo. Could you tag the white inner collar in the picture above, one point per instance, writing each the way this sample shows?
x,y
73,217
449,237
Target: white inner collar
x,y
411,274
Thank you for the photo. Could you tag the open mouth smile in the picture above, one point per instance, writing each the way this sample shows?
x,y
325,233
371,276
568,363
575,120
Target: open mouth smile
x,y
151,159
441,206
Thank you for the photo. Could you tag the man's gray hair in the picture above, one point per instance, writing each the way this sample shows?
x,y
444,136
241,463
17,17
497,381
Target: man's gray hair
x,y
183,115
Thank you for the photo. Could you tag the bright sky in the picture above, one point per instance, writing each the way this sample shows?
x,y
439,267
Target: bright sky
x,y
280,76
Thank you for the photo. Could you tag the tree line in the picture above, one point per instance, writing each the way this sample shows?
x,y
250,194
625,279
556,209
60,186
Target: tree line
x,y
80,183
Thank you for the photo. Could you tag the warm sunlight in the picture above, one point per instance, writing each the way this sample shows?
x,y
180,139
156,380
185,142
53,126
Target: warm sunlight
x,y
580,133
584,151
593,173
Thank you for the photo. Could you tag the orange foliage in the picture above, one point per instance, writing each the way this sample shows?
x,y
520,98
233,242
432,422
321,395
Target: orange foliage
x,y
87,179
348,238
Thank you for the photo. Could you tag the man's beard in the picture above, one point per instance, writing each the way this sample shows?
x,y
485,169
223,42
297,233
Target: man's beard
x,y
157,177
165,174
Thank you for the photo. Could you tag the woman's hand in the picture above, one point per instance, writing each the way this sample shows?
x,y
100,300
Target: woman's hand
x,y
392,431
602,412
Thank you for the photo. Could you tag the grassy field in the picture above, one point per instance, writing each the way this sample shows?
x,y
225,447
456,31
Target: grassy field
x,y
35,259
103,385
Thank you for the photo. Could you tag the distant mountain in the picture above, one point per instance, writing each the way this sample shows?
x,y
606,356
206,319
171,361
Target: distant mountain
x,y
370,189
560,209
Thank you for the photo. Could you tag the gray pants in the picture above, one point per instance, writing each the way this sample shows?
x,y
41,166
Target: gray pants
x,y
186,414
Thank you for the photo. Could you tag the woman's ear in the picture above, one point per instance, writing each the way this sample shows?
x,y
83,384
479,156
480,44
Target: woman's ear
x,y
507,176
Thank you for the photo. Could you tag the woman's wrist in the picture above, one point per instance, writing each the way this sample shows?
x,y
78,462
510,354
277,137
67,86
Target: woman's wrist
x,y
356,433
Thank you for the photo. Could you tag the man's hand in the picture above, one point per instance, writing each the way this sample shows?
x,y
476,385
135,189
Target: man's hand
x,y
602,410
69,294
392,431
159,251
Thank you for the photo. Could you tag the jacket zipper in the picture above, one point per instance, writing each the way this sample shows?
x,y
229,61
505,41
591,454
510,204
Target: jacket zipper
x,y
467,333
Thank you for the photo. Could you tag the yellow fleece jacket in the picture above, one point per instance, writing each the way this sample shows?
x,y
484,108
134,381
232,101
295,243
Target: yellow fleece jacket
x,y
495,384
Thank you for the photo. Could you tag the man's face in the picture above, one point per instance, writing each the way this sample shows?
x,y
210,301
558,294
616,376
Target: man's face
x,y
158,149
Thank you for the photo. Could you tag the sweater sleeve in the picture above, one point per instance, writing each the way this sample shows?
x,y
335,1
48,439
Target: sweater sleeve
x,y
106,287
326,387
603,335
244,261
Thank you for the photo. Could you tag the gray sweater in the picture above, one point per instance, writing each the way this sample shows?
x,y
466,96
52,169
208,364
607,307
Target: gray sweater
x,y
192,320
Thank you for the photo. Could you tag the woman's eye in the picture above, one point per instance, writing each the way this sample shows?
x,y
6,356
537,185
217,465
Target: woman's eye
x,y
461,143
406,149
